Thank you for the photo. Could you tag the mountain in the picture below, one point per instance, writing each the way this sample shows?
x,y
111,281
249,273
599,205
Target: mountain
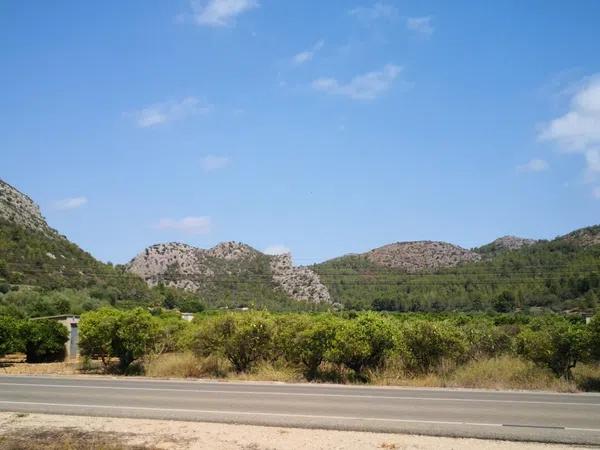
x,y
420,256
32,254
561,274
18,209
505,243
229,274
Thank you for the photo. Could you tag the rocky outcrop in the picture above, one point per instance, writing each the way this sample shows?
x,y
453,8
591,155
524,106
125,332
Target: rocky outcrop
x,y
299,283
584,237
505,243
186,267
19,209
420,256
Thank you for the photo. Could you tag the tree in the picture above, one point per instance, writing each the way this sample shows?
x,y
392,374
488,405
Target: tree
x,y
43,340
556,344
505,302
362,343
127,335
9,338
243,339
425,344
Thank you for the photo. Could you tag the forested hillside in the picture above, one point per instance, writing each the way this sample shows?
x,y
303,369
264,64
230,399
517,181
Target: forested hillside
x,y
562,274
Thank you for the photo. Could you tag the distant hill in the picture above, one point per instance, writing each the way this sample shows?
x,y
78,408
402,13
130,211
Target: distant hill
x,y
562,274
228,274
504,243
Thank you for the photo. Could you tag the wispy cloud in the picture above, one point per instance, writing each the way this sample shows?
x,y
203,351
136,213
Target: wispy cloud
x,y
535,165
420,25
171,111
188,225
70,203
377,11
218,13
363,87
578,130
307,55
213,162
277,249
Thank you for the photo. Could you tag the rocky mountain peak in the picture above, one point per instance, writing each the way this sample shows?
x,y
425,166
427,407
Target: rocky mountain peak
x,y
417,256
183,266
18,208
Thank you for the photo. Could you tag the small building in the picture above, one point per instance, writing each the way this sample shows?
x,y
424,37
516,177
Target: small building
x,y
71,322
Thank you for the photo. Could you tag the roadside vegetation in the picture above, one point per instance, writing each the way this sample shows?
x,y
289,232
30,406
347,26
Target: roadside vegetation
x,y
488,351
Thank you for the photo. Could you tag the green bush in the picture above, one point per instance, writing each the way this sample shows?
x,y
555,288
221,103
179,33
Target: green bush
x,y
425,344
362,343
127,335
43,340
243,339
9,337
305,340
554,343
486,340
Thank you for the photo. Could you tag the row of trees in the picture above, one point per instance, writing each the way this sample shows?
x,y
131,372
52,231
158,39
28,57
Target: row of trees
x,y
360,344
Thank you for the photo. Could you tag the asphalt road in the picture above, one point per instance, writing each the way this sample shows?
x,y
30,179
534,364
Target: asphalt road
x,y
547,417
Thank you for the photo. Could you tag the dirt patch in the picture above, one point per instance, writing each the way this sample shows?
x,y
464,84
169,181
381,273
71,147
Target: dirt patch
x,y
54,432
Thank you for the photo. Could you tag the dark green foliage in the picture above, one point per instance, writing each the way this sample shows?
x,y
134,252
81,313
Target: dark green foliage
x,y
555,343
9,335
362,343
127,335
43,340
425,344
505,302
242,339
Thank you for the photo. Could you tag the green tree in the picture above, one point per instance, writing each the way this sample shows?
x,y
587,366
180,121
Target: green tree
x,y
9,337
424,344
243,339
362,343
556,344
43,340
505,302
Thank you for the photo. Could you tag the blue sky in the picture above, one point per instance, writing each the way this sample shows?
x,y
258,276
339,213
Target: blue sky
x,y
320,127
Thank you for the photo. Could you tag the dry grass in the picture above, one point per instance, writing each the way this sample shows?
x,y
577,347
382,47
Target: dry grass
x,y
187,365
66,439
508,372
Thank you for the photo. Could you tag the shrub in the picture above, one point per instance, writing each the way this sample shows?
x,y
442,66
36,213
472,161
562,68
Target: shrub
x,y
243,339
594,337
306,340
486,340
362,343
9,338
127,335
424,344
554,343
43,340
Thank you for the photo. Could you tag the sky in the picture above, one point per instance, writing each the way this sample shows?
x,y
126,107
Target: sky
x,y
320,128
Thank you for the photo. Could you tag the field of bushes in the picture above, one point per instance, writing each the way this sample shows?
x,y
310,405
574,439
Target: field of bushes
x,y
495,351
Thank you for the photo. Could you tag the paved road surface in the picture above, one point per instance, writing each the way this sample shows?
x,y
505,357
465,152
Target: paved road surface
x,y
566,418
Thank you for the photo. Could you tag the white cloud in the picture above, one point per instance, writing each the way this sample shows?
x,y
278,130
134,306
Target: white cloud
x,y
276,250
212,162
362,87
219,13
189,225
421,25
70,203
377,11
307,55
578,130
535,165
161,113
